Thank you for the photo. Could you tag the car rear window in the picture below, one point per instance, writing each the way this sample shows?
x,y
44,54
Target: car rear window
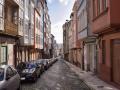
x,y
1,74
29,66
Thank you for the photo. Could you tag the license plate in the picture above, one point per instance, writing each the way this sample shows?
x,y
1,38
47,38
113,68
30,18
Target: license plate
x,y
23,78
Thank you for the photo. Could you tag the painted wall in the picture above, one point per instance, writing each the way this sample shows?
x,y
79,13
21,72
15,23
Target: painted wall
x,y
10,54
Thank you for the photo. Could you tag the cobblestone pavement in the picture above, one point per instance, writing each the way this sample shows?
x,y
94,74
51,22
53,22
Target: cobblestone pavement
x,y
58,77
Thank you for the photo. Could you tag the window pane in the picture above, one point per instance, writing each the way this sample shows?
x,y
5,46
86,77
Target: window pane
x,y
3,55
94,8
1,24
104,4
1,74
10,72
2,2
1,10
99,6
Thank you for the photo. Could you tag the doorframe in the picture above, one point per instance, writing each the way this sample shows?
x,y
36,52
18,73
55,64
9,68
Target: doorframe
x,y
111,56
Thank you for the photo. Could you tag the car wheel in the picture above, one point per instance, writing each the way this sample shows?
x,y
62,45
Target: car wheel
x,y
39,74
19,88
35,79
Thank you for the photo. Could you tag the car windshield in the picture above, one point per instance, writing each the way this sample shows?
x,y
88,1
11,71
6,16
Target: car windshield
x,y
30,66
1,74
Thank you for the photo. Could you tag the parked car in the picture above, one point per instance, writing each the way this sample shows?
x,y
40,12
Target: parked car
x,y
45,64
31,71
40,64
20,67
9,78
48,63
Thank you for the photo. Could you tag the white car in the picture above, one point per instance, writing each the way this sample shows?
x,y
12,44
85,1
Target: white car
x,y
9,78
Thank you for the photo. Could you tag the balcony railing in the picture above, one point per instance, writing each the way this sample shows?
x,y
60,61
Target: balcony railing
x,y
11,28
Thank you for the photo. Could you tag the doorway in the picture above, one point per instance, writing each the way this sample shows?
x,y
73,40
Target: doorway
x,y
116,61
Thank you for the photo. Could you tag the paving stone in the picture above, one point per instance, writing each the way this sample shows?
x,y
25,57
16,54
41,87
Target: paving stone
x,y
58,77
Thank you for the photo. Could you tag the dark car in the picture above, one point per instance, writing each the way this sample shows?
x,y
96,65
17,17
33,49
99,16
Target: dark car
x,y
45,64
31,71
49,62
41,65
20,67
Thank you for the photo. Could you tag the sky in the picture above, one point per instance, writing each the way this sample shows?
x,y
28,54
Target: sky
x,y
59,11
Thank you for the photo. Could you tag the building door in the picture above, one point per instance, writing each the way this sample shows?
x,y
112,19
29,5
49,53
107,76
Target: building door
x,y
116,60
92,57
3,59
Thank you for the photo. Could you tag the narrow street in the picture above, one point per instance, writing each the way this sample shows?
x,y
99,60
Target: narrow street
x,y
57,77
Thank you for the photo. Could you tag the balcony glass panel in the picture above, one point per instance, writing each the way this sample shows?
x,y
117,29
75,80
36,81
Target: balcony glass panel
x,y
1,15
1,24
83,34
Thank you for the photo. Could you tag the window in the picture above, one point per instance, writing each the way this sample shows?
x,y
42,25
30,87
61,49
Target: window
x,y
36,39
21,21
22,2
41,41
1,15
99,6
15,72
1,10
94,8
2,2
9,72
26,27
103,52
1,74
104,4
32,30
36,22
3,55
15,16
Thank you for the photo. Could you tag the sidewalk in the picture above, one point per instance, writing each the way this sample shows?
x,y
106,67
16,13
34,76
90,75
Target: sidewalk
x,y
91,79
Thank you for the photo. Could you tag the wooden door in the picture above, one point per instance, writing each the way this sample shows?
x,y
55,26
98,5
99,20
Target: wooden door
x,y
116,61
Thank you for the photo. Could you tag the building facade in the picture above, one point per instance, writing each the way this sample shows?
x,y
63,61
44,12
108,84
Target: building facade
x,y
52,38
11,29
86,37
106,23
47,30
24,47
74,32
82,42
66,28
22,30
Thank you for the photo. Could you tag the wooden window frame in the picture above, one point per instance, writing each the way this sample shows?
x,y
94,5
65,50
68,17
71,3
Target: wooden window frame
x,y
104,4
98,7
94,8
